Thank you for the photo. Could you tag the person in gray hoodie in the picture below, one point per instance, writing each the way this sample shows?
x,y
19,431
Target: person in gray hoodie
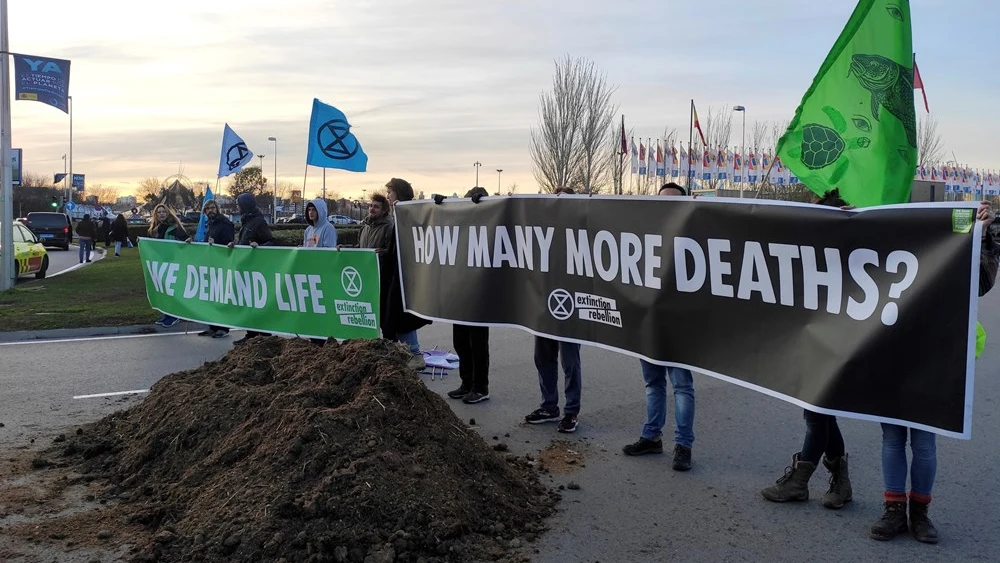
x,y
320,233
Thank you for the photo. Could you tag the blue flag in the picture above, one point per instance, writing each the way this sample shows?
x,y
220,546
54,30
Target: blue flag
x,y
42,79
235,154
201,235
331,143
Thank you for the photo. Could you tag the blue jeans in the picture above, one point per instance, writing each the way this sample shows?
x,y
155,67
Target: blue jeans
x,y
923,468
86,248
547,353
656,402
410,339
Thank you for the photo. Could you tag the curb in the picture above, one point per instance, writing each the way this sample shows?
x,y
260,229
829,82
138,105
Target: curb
x,y
98,256
64,333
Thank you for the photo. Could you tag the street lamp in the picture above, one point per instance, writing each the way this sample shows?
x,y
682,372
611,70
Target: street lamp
x,y
477,164
499,170
274,204
743,149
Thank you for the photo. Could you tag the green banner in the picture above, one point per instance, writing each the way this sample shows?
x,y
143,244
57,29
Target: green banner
x,y
311,292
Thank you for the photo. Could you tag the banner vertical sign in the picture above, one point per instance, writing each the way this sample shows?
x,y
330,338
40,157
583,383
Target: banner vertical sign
x,y
78,182
311,292
16,165
42,79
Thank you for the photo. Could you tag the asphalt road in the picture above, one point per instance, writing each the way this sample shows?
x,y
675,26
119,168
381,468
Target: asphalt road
x,y
627,509
63,261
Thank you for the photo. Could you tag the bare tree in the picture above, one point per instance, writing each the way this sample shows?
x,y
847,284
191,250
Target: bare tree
x,y
285,189
104,194
569,146
718,126
930,145
758,136
598,113
32,180
148,192
718,132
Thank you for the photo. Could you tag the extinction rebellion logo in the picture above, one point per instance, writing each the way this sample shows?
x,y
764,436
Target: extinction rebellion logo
x,y
594,308
354,313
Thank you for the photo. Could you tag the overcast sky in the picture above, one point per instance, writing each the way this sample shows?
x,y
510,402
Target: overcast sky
x,y
432,86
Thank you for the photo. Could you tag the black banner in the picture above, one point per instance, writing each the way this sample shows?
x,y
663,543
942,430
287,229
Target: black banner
x,y
868,314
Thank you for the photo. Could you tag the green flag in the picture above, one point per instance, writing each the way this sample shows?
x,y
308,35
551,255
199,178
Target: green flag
x,y
856,128
315,292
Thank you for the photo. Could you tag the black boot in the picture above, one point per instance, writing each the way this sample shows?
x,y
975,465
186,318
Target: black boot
x,y
920,525
793,485
892,523
840,492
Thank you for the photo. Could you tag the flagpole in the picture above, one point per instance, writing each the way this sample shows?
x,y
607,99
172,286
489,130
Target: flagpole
x,y
7,271
305,175
621,160
690,144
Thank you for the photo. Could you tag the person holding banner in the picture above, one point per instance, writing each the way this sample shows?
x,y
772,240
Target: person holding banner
x,y
218,230
650,441
397,324
923,448
472,344
547,355
823,440
254,232
319,234
166,225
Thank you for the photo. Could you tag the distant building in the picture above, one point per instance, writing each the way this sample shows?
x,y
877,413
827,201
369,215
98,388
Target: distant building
x,y
128,201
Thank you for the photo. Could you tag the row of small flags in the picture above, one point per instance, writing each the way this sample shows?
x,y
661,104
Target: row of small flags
x,y
960,179
667,161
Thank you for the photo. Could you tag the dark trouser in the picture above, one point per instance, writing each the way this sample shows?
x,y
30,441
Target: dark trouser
x,y
253,333
218,328
822,437
472,344
547,355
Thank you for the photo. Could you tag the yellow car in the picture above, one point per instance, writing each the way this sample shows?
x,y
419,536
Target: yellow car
x,y
30,256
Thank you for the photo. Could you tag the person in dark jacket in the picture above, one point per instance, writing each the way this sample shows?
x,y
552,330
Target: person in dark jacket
x,y
105,229
166,226
86,231
398,325
254,232
119,232
218,230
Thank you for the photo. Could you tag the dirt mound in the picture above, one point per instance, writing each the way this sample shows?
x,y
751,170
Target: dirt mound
x,y
285,450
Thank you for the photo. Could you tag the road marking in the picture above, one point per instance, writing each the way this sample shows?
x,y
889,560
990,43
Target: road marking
x,y
92,338
116,393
